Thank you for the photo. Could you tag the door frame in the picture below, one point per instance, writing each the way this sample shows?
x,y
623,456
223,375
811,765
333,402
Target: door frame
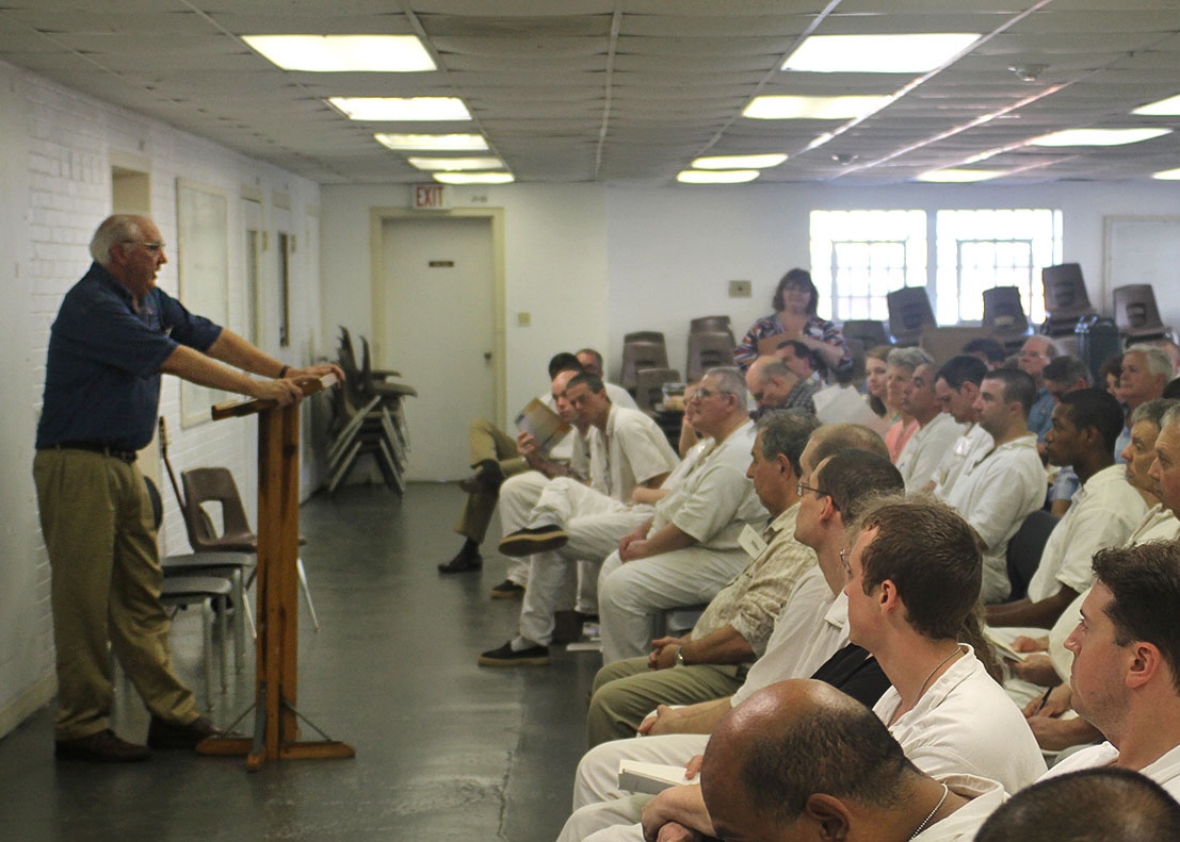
x,y
377,219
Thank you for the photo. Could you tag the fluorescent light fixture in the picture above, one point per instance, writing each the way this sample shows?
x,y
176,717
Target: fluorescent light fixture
x,y
344,53
1097,137
716,176
454,164
813,107
957,176
1167,175
433,142
474,177
422,108
905,53
738,162
1169,107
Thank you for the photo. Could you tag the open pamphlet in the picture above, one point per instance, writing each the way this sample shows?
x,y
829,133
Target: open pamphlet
x,y
651,778
1003,646
543,424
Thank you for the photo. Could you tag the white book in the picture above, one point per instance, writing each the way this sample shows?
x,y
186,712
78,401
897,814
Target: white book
x,y
651,778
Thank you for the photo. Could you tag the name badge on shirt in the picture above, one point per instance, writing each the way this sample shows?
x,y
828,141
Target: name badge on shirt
x,y
751,542
962,446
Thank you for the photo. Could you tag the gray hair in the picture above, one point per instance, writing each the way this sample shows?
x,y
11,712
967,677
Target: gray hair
x,y
1172,416
1158,361
730,381
118,228
786,434
1153,411
909,358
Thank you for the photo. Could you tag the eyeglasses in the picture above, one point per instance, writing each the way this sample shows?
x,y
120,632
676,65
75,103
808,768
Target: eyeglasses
x,y
154,248
800,488
700,394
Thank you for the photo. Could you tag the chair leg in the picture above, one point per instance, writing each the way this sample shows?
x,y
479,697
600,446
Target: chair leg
x,y
222,640
242,613
207,636
315,621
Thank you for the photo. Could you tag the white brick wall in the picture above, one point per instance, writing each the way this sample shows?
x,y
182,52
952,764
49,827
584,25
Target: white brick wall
x,y
55,150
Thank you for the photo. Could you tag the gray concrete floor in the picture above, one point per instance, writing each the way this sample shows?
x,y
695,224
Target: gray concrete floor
x,y
445,749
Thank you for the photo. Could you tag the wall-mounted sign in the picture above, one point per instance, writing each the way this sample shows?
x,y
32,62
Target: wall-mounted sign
x,y
430,197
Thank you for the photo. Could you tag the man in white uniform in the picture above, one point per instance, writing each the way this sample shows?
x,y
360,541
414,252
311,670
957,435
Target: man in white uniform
x,y
957,387
1126,666
572,521
688,550
937,431
1001,486
1085,425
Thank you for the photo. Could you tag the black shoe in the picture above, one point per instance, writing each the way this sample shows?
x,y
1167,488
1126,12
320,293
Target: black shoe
x,y
103,747
534,656
462,562
487,477
163,734
507,589
533,539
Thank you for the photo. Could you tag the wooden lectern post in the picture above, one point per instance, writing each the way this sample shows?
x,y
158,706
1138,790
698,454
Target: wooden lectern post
x,y
276,732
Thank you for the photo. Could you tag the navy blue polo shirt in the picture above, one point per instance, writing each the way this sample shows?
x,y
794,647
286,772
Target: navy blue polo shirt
x,y
102,377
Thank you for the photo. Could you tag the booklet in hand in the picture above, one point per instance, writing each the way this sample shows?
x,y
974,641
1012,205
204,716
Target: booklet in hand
x,y
543,424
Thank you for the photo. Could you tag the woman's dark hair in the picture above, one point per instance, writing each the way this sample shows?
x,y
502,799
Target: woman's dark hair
x,y
800,278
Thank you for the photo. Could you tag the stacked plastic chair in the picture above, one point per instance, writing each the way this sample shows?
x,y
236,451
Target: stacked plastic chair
x,y
369,419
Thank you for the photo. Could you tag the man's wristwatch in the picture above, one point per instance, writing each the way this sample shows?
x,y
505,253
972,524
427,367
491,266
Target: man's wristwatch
x,y
680,657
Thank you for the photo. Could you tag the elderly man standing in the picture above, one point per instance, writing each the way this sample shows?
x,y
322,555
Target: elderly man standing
x,y
689,549
114,335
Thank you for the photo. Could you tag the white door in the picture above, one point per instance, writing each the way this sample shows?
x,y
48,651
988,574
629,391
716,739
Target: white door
x,y
439,333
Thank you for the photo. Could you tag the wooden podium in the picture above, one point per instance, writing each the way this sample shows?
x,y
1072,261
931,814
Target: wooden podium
x,y
276,720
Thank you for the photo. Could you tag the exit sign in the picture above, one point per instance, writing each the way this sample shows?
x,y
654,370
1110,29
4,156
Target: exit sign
x,y
430,197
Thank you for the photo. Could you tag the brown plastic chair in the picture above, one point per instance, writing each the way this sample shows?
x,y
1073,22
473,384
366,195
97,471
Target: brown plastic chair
x,y
909,313
869,331
638,355
1003,313
1136,313
655,336
711,324
1066,299
706,351
649,393
216,486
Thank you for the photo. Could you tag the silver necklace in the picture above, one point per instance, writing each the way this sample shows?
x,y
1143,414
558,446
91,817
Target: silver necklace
x,y
922,689
946,790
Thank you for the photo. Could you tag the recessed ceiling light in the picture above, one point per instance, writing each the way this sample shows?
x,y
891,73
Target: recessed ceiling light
x,y
433,142
813,107
1097,137
454,164
1167,175
716,176
736,162
904,53
474,177
344,53
422,108
956,176
1169,107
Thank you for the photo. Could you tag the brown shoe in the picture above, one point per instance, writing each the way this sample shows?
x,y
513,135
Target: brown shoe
x,y
103,747
162,734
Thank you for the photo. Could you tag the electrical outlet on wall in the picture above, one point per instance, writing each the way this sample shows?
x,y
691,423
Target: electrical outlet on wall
x,y
739,289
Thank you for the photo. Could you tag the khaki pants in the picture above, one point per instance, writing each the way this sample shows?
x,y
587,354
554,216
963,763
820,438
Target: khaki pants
x,y
487,442
100,533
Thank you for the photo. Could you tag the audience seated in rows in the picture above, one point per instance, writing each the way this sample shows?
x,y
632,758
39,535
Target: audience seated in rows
x,y
689,548
913,578
810,636
572,521
710,661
